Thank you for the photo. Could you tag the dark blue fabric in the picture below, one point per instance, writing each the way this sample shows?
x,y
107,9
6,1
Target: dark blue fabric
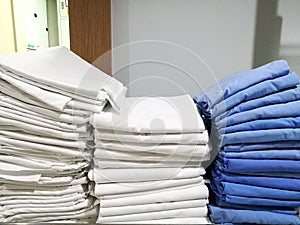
x,y
232,84
256,91
276,98
258,146
224,215
228,188
261,136
290,109
254,165
264,154
272,182
264,124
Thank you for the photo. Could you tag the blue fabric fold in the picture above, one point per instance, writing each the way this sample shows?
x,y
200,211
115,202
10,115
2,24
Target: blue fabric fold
x,y
239,81
261,136
224,215
276,98
253,165
264,124
271,182
228,188
264,154
258,146
256,91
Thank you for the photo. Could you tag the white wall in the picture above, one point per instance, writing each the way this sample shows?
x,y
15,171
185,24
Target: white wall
x,y
221,32
290,35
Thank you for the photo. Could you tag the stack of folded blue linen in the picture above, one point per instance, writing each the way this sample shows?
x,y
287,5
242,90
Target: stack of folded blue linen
x,y
254,121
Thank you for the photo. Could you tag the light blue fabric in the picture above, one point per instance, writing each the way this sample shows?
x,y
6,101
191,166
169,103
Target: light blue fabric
x,y
276,98
228,188
261,136
290,109
264,124
224,215
254,165
256,91
261,146
271,182
264,154
255,201
239,81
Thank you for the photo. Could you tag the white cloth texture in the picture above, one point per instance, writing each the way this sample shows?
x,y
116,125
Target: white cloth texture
x,y
194,220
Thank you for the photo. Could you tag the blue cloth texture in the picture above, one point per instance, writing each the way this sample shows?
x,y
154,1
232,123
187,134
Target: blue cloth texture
x,y
254,165
261,146
256,91
224,215
239,81
264,124
264,154
261,136
271,182
290,109
228,188
276,98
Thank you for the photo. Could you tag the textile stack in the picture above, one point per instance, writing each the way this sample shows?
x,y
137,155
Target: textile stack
x,y
147,162
46,99
255,120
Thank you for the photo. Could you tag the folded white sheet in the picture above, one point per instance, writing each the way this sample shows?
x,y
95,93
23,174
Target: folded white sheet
x,y
146,208
171,115
105,154
194,220
168,214
178,149
182,193
182,138
56,64
143,174
124,188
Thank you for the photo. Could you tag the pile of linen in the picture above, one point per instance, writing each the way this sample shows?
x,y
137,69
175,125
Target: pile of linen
x,y
147,162
46,99
254,118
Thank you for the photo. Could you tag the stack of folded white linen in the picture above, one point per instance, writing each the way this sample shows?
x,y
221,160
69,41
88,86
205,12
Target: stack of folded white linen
x,y
147,162
46,99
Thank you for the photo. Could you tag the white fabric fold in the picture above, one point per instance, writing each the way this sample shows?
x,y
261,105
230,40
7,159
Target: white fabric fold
x,y
171,115
194,220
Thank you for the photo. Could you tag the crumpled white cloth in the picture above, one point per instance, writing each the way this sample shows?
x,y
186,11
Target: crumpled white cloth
x,y
182,138
181,193
143,174
171,115
155,207
56,65
175,213
135,187
194,220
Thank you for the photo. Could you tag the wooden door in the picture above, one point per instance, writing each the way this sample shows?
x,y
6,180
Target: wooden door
x,y
90,31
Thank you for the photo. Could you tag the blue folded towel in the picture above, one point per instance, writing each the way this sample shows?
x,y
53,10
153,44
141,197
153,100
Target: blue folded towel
x,y
224,215
237,82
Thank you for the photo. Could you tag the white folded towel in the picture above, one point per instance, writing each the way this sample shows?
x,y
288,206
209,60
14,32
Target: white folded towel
x,y
194,220
153,115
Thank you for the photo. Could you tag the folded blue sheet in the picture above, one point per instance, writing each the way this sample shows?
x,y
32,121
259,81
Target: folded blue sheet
x,y
276,98
264,124
290,109
286,134
257,166
224,215
261,146
256,91
229,188
271,182
232,84
264,154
